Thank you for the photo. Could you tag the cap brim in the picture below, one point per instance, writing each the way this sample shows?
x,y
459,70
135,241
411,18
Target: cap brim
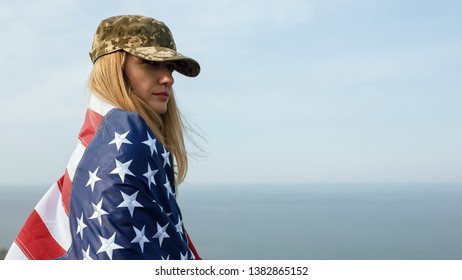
x,y
182,64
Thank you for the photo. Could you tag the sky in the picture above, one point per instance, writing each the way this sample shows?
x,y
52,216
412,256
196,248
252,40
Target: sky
x,y
291,92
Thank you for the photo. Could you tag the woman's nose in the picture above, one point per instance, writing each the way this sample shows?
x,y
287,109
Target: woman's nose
x,y
166,77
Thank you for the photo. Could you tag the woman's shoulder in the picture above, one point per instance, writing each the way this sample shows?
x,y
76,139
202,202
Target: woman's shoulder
x,y
126,132
125,136
118,120
112,117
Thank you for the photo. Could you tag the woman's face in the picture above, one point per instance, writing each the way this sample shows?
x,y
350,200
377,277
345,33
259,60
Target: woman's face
x,y
150,81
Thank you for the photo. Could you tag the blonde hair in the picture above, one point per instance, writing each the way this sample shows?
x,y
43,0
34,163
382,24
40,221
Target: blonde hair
x,y
108,82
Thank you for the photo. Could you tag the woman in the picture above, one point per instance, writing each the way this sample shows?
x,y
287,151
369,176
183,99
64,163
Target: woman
x,y
117,198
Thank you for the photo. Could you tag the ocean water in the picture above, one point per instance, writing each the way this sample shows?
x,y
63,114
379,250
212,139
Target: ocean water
x,y
308,222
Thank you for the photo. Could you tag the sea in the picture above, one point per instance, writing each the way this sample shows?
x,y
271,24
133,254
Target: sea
x,y
300,221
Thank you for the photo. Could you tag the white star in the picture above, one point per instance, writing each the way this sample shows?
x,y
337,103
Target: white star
x,y
98,211
167,186
151,143
86,254
93,179
122,169
108,245
168,258
185,257
120,139
130,202
80,226
160,206
161,233
166,156
192,255
150,176
140,237
179,227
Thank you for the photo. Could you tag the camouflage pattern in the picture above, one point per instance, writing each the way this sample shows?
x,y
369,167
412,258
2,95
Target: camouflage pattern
x,y
143,37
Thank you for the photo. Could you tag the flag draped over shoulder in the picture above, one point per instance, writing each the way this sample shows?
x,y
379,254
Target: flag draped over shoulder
x,y
116,199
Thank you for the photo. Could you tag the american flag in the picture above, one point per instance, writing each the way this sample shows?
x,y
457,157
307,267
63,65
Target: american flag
x,y
116,199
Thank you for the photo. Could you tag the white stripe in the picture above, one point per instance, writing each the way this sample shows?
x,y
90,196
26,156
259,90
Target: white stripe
x,y
14,253
50,208
99,105
75,159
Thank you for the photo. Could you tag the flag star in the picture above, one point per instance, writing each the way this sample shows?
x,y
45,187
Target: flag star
x,y
179,226
92,179
150,176
151,143
167,186
86,254
160,206
120,139
130,202
122,169
185,257
98,211
192,255
140,237
168,258
161,233
166,156
108,245
80,226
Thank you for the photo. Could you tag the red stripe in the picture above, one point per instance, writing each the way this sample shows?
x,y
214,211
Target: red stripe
x,y
65,185
36,242
191,246
92,120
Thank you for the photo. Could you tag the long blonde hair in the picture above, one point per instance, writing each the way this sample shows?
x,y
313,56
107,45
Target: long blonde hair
x,y
108,82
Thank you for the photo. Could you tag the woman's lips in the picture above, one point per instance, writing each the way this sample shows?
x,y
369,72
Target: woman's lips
x,y
162,94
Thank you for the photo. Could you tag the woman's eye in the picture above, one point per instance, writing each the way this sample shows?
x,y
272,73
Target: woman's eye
x,y
148,62
170,66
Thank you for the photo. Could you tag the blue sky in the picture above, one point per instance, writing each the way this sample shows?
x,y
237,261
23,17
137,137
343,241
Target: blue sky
x,y
290,91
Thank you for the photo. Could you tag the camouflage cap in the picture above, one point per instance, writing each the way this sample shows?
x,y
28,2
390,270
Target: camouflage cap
x,y
143,37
